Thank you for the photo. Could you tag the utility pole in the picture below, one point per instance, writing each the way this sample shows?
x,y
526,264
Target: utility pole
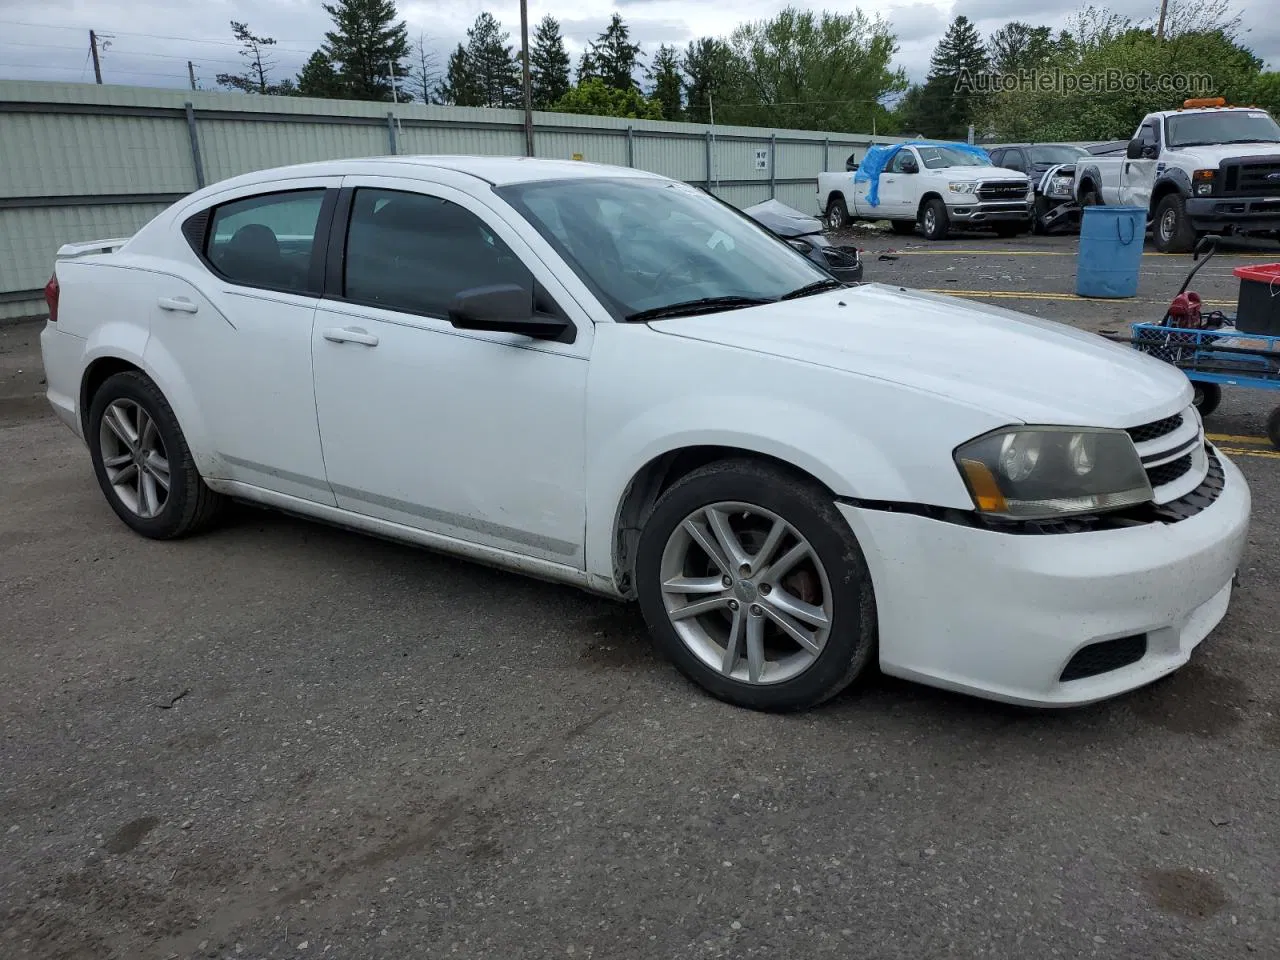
x,y
191,72
526,81
93,49
395,97
1164,8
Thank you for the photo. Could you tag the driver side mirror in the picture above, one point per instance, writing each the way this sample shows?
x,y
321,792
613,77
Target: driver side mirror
x,y
505,308
1141,150
910,166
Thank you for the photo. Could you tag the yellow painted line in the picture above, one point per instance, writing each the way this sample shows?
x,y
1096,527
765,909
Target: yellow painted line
x,y
1242,452
1232,438
1041,295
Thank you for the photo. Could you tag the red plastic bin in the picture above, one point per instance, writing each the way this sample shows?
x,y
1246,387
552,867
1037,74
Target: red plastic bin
x,y
1258,303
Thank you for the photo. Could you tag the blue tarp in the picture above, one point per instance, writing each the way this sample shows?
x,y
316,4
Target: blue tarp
x,y
878,158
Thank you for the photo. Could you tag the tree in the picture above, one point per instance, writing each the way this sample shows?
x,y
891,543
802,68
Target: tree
x,y
494,70
365,45
423,78
710,71
459,86
258,64
1017,46
318,78
951,97
548,64
614,57
804,70
596,98
664,74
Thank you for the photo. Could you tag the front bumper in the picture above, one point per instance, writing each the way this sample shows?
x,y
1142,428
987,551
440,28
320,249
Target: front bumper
x,y
1001,615
1238,213
990,211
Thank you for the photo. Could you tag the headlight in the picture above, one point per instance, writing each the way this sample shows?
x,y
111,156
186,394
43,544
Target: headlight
x,y
1202,182
1031,193
1031,473
1060,186
967,187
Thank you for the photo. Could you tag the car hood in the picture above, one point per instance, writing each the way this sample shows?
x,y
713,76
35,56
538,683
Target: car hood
x,y
979,173
1009,364
1211,156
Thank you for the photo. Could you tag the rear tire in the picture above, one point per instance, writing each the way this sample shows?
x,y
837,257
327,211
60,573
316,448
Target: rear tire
x,y
143,463
903,227
1207,396
837,214
1172,229
738,648
934,220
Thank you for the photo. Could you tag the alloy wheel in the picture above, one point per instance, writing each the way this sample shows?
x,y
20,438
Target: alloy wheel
x,y
1168,225
746,593
134,458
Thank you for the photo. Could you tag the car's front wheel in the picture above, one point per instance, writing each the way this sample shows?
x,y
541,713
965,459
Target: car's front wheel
x,y
837,214
753,584
934,221
142,460
1173,230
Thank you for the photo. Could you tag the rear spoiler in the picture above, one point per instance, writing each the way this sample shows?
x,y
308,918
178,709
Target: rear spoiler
x,y
69,251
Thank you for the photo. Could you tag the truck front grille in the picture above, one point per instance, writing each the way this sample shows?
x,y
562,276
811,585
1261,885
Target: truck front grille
x,y
1003,190
1252,177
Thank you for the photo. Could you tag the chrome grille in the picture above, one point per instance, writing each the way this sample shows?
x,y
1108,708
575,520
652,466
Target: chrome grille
x,y
1003,190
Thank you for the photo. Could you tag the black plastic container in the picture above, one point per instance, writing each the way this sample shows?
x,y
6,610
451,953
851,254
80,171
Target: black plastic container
x,y
1258,305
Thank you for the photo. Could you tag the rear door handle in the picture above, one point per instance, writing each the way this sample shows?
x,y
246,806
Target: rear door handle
x,y
350,335
178,304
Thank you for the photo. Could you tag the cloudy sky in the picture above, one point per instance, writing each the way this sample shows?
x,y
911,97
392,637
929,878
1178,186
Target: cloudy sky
x,y
150,41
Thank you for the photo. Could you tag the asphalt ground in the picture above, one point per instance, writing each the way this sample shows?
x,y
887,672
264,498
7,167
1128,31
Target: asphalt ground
x,y
284,740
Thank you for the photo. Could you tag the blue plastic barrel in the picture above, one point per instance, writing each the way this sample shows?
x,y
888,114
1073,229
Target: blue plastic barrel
x,y
1110,256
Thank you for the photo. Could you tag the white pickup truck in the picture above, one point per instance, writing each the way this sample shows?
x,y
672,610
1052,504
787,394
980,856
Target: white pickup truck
x,y
934,186
1207,168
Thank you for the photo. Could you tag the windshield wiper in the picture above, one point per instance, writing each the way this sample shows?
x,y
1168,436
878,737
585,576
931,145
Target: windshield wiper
x,y
689,308
818,286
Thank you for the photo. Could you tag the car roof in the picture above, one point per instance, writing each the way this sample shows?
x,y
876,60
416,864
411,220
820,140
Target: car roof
x,y
498,171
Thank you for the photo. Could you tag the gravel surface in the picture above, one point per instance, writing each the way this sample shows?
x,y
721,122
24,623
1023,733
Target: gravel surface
x,y
283,740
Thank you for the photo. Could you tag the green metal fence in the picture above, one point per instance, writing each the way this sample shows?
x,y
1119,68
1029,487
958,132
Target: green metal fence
x,y
83,162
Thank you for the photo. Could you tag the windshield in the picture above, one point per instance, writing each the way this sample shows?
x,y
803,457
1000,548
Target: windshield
x,y
1227,126
642,245
935,157
1058,153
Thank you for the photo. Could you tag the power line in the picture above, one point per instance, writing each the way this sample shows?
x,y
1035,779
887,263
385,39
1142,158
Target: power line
x,y
114,72
145,36
117,51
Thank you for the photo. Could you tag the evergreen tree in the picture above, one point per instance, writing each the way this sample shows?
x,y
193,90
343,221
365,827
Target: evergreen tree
x,y
318,78
258,65
548,64
460,87
950,100
365,43
494,67
616,57
1018,45
664,74
588,68
709,72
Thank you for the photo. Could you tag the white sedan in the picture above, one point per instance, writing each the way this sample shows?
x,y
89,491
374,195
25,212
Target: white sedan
x,y
608,378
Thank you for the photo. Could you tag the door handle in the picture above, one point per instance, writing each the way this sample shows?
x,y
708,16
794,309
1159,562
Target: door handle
x,y
350,335
177,304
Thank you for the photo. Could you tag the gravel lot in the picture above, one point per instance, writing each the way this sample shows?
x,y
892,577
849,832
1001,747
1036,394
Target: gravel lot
x,y
283,740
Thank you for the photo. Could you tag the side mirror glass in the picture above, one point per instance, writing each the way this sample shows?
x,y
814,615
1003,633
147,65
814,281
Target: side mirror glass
x,y
1134,150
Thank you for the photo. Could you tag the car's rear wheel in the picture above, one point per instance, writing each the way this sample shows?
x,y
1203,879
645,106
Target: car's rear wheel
x,y
837,214
142,460
753,584
934,220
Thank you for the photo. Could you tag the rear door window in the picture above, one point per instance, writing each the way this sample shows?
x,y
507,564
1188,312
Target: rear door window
x,y
267,240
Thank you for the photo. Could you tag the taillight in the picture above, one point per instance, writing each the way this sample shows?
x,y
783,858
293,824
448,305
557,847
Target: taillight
x,y
51,297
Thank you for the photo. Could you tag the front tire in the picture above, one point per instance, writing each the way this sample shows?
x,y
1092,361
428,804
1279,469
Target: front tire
x,y
142,460
1173,230
753,584
934,220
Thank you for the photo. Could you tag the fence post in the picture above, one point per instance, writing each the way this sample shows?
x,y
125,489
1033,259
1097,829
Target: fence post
x,y
194,136
826,154
773,166
631,147
708,160
391,131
